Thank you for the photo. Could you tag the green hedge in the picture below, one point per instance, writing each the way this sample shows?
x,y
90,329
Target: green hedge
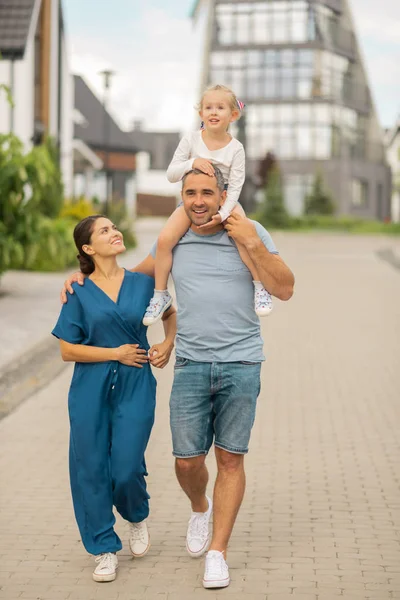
x,y
339,224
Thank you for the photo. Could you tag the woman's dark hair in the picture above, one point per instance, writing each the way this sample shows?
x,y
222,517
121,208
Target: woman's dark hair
x,y
82,236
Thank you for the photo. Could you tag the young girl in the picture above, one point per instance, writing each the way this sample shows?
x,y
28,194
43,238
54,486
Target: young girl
x,y
211,145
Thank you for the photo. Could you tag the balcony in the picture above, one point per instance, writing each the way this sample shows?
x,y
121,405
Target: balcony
x,y
338,39
335,5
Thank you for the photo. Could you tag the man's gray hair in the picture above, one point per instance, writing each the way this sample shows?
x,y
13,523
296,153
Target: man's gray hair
x,y
218,176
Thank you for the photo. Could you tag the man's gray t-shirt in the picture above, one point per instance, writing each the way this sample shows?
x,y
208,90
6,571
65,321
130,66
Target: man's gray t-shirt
x,y
215,295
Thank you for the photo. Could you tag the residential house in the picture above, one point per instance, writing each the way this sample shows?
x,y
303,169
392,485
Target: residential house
x,y
104,155
155,195
34,67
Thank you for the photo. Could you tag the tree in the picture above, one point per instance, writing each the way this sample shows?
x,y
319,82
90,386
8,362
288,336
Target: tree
x,y
265,166
319,201
273,212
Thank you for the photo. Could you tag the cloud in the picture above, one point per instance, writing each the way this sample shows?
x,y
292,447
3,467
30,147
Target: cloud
x,y
156,72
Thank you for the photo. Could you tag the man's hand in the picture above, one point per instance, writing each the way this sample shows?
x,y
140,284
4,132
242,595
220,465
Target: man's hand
x,y
216,220
75,277
159,354
204,165
241,229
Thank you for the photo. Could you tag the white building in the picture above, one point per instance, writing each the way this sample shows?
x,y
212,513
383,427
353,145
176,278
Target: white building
x,y
392,140
34,67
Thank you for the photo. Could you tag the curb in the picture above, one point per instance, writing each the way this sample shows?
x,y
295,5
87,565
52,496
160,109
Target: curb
x,y
392,258
29,373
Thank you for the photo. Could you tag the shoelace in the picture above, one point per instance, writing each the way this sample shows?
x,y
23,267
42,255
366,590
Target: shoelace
x,y
154,305
215,564
198,526
138,532
105,561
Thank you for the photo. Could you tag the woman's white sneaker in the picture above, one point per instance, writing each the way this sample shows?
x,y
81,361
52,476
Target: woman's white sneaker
x,y
216,574
139,539
198,535
106,570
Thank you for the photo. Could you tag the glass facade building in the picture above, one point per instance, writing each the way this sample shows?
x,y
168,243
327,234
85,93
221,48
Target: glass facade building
x,y
296,65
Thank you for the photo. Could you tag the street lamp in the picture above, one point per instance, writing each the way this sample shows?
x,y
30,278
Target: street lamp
x,y
107,74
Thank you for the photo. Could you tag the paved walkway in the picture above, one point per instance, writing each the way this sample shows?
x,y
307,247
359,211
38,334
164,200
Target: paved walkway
x,y
321,516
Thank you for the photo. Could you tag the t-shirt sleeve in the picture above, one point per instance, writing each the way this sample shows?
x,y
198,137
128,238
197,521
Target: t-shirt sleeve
x,y
70,324
153,249
266,238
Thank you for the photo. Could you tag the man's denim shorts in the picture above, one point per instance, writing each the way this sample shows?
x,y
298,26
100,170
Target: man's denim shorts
x,y
213,402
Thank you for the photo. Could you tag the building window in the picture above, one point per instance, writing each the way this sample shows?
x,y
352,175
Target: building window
x,y
297,187
359,193
287,73
302,131
275,21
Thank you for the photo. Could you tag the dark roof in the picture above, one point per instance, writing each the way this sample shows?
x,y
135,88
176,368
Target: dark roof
x,y
97,121
15,19
161,146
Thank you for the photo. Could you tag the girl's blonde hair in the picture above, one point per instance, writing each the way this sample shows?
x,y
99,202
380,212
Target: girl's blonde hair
x,y
233,100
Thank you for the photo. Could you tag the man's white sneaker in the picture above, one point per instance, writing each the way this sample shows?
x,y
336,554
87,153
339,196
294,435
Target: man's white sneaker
x,y
262,302
139,539
106,570
198,535
216,574
157,307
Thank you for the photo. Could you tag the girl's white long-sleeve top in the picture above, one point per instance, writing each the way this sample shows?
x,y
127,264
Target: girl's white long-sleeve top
x,y
230,160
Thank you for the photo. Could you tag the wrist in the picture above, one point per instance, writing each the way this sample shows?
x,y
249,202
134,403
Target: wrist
x,y
252,243
115,355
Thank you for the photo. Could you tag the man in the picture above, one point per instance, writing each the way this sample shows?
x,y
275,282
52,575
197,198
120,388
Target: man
x,y
218,361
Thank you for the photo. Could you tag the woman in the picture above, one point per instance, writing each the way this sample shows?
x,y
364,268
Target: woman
x,y
112,395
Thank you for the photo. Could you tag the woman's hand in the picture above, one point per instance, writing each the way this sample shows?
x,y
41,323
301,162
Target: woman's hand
x,y
204,165
159,354
79,277
131,355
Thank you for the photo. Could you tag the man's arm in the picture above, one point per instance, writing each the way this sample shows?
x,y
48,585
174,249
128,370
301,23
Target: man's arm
x,y
274,274
146,266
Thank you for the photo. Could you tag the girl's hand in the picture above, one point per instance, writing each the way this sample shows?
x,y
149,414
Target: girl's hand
x,y
204,165
216,220
131,355
159,354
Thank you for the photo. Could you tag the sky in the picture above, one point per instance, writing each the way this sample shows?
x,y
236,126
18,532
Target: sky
x,y
156,54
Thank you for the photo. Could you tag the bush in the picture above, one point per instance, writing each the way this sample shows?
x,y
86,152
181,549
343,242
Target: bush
x,y
44,174
52,249
319,201
273,209
78,210
30,187
344,224
11,251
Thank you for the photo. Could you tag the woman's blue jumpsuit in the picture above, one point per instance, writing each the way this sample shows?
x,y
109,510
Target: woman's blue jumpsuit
x,y
111,410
